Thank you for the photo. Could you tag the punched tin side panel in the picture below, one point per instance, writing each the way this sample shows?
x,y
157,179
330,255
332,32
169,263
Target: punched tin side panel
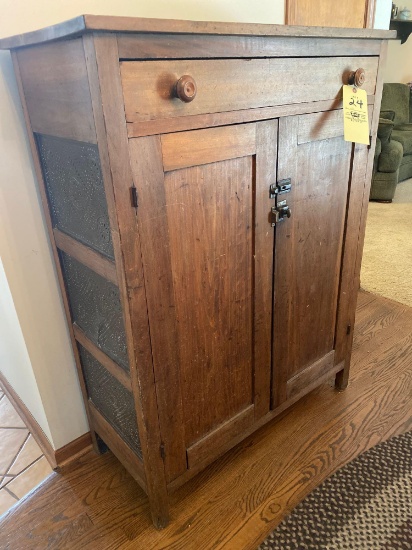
x,y
75,189
112,400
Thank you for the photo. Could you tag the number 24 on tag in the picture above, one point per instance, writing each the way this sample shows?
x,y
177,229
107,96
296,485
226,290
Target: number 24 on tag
x,y
355,115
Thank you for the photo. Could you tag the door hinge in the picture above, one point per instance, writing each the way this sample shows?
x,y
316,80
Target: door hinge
x,y
162,451
133,196
348,329
279,188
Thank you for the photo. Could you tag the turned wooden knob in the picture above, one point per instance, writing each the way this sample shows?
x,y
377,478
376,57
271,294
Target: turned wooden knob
x,y
186,88
357,78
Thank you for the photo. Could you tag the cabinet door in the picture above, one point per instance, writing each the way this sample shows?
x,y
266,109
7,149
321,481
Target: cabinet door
x,y
308,256
207,250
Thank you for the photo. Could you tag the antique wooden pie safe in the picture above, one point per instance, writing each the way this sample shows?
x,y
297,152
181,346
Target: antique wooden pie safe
x,y
207,219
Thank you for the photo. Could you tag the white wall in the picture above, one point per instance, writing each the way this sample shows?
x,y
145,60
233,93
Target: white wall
x,y
51,392
383,10
35,351
399,61
13,352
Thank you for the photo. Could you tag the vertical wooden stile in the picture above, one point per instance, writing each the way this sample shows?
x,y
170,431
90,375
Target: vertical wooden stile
x,y
357,209
103,66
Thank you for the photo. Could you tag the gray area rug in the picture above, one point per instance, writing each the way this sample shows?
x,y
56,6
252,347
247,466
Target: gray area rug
x,y
366,505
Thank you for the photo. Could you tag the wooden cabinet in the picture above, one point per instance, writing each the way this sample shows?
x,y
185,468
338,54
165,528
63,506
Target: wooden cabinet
x,y
207,220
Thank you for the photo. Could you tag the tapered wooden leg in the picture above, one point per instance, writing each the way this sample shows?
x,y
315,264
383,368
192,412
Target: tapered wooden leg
x,y
160,520
342,379
159,509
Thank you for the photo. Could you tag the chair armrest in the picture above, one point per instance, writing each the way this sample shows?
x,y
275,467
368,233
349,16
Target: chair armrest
x,y
390,115
390,157
385,128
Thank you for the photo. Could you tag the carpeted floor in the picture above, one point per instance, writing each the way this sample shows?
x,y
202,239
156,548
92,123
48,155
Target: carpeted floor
x,y
366,505
387,255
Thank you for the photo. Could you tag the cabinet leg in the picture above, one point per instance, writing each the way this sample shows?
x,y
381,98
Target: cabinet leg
x,y
99,446
342,379
159,510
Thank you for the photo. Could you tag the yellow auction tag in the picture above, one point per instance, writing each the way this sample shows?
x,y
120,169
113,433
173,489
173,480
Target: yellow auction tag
x,y
355,115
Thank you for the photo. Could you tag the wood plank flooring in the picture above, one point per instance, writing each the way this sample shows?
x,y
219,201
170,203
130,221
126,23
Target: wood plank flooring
x,y
233,504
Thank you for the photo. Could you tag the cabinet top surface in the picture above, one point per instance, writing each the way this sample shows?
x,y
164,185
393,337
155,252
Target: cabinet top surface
x,y
105,23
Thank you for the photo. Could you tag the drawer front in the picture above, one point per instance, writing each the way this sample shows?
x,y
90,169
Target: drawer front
x,y
149,87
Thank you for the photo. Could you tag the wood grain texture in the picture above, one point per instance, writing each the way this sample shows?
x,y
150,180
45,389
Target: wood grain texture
x,y
106,23
266,175
200,451
236,502
345,317
235,84
209,213
87,256
352,13
167,206
311,374
208,323
148,177
102,62
326,125
73,450
172,46
356,222
152,127
318,126
186,149
57,91
103,359
308,249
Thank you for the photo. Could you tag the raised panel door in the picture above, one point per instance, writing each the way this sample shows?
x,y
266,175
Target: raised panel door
x,y
207,251
309,248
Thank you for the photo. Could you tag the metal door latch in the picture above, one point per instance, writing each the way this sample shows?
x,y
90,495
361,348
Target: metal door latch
x,y
279,188
279,212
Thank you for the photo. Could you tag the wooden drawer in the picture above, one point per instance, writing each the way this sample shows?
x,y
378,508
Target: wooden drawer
x,y
234,84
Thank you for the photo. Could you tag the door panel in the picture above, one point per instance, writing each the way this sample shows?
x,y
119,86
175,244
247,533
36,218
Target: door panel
x,y
308,251
207,251
349,14
209,214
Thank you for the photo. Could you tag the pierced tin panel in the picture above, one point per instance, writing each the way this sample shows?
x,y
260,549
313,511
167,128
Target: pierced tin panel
x,y
112,399
74,183
95,307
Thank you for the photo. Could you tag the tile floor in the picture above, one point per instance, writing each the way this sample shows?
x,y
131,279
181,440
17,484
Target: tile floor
x,y
22,463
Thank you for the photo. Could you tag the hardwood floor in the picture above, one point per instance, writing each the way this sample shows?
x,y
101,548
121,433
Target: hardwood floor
x,y
235,502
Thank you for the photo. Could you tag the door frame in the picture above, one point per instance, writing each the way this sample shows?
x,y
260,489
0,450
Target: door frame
x,y
292,7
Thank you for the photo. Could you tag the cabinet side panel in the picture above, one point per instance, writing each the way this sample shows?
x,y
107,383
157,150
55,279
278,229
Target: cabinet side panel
x,y
57,91
111,399
75,190
95,308
54,88
42,189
